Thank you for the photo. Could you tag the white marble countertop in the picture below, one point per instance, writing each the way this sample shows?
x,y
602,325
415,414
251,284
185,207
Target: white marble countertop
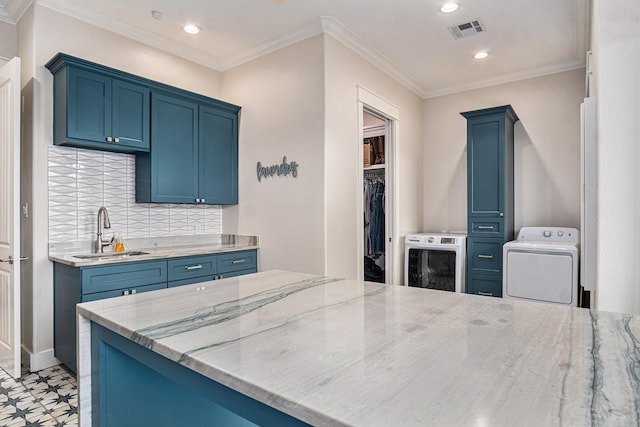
x,y
343,352
158,248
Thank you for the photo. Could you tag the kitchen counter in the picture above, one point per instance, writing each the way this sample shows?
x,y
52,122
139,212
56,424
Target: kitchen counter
x,y
155,248
343,352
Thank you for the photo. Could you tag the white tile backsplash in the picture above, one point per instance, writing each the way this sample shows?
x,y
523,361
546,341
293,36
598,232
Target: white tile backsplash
x,y
81,181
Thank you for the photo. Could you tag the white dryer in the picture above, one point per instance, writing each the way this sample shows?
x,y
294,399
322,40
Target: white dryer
x,y
542,265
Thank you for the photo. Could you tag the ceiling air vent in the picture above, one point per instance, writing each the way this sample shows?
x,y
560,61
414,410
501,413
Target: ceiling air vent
x,y
467,29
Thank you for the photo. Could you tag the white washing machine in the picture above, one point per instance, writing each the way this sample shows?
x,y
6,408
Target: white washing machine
x,y
435,261
542,265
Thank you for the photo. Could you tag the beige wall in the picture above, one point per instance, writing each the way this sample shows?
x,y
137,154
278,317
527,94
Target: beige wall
x,y
43,33
345,71
547,151
8,41
616,46
281,95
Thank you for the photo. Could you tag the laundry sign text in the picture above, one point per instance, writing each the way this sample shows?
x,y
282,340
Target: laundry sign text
x,y
281,169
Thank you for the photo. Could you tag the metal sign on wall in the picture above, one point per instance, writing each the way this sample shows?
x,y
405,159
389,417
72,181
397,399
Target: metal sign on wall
x,y
281,169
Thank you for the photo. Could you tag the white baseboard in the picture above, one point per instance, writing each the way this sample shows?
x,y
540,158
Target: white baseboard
x,y
38,361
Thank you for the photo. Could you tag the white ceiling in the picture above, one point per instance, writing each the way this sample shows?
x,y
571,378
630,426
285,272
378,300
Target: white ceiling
x,y
406,38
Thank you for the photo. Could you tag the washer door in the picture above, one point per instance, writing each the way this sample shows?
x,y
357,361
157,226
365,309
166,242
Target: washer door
x,y
540,276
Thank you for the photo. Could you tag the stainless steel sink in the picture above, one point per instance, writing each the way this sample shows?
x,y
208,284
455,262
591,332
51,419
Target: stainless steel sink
x,y
111,255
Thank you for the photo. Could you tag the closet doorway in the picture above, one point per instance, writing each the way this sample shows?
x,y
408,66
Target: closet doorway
x,y
376,212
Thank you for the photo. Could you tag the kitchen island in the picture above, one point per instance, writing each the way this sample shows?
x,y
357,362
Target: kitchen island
x,y
283,348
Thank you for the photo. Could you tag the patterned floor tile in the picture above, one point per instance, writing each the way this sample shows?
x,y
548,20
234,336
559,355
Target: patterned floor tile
x,y
44,398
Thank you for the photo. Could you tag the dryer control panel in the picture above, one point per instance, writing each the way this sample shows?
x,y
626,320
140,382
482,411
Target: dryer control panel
x,y
555,234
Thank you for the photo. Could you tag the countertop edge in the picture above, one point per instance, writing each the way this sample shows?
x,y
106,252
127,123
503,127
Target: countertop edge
x,y
155,254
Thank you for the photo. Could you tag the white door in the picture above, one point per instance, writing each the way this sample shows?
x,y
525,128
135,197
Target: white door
x,y
10,217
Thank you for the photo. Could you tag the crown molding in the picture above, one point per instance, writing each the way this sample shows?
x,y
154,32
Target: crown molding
x,y
505,78
146,37
12,10
293,36
341,33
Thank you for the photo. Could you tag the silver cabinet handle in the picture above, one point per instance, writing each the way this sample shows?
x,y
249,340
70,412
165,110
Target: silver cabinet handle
x,y
125,292
193,267
238,261
485,256
10,260
133,291
202,200
485,227
197,200
116,140
501,214
109,139
486,294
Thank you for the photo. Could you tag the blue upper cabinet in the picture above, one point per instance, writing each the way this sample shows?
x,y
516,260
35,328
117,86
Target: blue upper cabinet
x,y
95,110
174,158
218,159
130,115
186,144
194,152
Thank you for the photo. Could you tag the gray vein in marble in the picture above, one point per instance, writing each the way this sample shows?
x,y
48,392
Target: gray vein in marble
x,y
289,320
633,367
599,402
223,312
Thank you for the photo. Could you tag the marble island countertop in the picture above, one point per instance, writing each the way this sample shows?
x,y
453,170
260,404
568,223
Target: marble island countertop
x,y
343,352
152,248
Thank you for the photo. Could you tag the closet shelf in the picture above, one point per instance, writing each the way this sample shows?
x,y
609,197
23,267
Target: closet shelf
x,y
373,167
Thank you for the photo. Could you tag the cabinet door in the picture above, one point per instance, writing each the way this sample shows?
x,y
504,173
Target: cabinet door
x,y
237,261
218,156
174,150
89,106
193,266
485,168
130,115
121,292
104,278
490,286
484,255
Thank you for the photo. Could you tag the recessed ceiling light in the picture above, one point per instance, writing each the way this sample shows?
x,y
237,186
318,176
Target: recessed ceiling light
x,y
449,7
192,29
481,55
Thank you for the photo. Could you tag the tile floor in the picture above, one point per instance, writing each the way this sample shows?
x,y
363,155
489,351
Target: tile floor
x,y
44,398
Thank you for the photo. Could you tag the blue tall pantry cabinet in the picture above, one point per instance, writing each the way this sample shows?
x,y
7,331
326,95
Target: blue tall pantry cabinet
x,y
489,196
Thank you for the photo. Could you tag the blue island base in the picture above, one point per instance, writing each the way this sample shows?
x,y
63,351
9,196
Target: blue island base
x,y
133,386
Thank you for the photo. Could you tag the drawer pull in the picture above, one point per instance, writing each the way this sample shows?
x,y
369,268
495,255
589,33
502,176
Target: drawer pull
x,y
485,227
486,294
238,261
133,291
193,267
485,256
125,292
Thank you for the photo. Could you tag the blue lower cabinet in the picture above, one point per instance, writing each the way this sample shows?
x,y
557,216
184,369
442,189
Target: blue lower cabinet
x,y
237,261
484,255
193,267
485,285
73,285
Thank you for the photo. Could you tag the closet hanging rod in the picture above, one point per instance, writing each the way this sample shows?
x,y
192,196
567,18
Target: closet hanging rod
x,y
373,172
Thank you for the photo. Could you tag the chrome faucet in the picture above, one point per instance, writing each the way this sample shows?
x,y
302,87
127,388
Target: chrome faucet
x,y
100,244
